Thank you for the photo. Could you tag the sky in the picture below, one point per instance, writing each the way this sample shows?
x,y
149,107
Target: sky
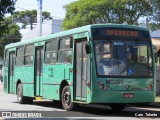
x,y
55,7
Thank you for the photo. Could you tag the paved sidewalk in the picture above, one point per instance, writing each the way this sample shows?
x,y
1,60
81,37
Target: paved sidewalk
x,y
1,86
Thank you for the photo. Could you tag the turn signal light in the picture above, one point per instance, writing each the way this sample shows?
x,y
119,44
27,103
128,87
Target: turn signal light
x,y
88,83
71,69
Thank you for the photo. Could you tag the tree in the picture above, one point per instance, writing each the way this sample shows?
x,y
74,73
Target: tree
x,y
12,36
6,6
84,12
154,22
28,17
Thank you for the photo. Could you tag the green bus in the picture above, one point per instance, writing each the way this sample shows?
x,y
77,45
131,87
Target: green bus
x,y
109,64
156,44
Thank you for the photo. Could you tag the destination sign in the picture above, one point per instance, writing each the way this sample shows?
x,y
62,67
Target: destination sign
x,y
115,32
119,32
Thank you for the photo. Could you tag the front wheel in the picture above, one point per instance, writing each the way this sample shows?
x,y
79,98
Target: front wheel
x,y
21,99
118,107
66,99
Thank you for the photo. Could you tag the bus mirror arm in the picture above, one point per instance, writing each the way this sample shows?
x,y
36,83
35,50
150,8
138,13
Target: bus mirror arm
x,y
155,54
88,48
155,57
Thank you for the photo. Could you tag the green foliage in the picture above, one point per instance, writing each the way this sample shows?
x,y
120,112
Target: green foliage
x,y
28,17
154,22
84,12
11,36
6,6
46,15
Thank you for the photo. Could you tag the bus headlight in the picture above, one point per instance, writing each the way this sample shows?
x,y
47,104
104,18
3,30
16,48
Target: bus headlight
x,y
101,86
149,87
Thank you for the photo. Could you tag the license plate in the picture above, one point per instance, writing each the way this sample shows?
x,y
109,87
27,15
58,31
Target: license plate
x,y
128,95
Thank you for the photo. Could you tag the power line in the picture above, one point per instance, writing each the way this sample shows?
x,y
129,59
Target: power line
x,y
36,5
21,8
39,22
57,17
45,22
38,13
51,24
28,9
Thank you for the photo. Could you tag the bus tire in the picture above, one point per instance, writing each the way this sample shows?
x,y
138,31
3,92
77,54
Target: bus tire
x,y
29,100
66,99
21,99
118,107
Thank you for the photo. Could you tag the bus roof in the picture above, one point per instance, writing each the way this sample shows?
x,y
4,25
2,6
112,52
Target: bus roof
x,y
72,31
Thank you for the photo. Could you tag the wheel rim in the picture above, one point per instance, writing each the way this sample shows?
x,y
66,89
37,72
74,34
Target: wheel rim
x,y
19,95
66,98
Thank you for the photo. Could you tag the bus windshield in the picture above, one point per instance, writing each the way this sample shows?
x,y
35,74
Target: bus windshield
x,y
123,58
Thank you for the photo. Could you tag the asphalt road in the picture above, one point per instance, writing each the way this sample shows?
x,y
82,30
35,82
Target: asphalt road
x,y
48,109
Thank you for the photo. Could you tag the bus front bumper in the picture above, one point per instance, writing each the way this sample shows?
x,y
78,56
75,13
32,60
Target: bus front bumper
x,y
122,96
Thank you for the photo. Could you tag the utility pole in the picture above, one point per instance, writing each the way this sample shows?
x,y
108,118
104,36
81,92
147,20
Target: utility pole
x,y
52,26
39,17
147,26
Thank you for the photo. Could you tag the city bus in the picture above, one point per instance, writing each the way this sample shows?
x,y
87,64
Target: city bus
x,y
109,64
156,43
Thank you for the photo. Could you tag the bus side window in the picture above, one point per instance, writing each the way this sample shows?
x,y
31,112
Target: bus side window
x,y
51,51
20,56
65,52
6,58
28,59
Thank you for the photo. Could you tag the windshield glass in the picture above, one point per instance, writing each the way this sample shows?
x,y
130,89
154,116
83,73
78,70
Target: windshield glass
x,y
123,58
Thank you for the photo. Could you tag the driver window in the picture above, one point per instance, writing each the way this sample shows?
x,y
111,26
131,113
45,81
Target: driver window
x,y
117,50
105,54
142,53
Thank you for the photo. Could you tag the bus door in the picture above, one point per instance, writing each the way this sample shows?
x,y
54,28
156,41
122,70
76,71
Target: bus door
x,y
11,71
81,69
38,70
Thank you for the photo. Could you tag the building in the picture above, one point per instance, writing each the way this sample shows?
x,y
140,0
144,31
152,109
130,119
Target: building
x,y
48,27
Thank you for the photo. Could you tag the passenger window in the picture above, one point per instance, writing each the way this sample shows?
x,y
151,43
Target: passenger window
x,y
51,51
28,58
6,58
20,56
65,51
